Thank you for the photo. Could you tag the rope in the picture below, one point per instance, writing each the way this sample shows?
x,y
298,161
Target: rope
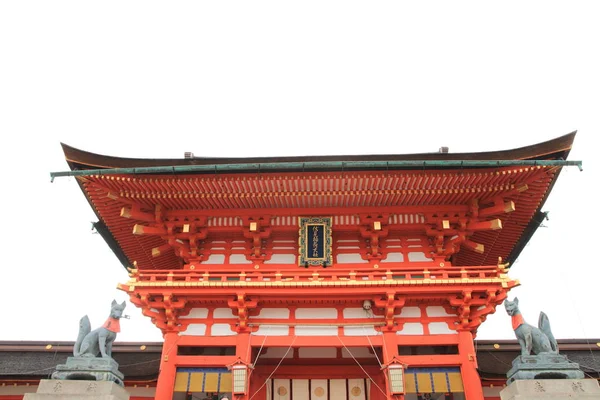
x,y
361,367
280,361
261,346
372,347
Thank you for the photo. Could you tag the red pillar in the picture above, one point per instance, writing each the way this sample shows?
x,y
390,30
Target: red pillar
x,y
168,368
243,352
257,387
390,350
468,367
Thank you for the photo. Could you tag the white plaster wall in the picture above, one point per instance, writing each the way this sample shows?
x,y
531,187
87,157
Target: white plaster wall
x,y
411,328
394,257
277,352
272,330
194,330
417,256
215,259
316,313
357,312
438,311
282,259
223,313
196,313
274,313
238,259
221,330
352,258
317,352
360,331
316,330
440,328
409,312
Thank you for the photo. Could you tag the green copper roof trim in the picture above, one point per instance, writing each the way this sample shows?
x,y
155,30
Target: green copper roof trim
x,y
318,165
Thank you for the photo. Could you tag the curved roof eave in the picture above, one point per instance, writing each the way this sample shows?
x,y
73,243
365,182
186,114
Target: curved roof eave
x,y
554,149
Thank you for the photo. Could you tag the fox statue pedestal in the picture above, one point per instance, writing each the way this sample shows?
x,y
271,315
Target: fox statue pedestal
x,y
90,369
92,373
71,390
543,366
551,389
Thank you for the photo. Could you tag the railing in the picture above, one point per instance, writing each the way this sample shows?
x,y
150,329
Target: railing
x,y
321,275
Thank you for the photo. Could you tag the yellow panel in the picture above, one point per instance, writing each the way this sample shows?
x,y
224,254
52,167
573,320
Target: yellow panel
x,y
410,385
196,382
456,384
225,383
210,384
439,382
181,381
424,381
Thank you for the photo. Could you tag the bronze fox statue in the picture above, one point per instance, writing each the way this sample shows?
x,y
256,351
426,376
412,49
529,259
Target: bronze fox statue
x,y
99,341
532,340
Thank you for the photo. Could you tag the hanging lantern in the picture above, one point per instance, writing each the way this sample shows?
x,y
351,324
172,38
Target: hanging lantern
x,y
240,379
396,378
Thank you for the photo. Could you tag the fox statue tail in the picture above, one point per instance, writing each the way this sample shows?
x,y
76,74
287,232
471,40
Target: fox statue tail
x,y
544,325
84,328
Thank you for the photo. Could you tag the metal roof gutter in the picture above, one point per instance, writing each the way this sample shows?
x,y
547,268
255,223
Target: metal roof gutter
x,y
316,165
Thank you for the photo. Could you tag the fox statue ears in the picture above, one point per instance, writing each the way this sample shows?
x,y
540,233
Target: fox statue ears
x,y
114,303
516,300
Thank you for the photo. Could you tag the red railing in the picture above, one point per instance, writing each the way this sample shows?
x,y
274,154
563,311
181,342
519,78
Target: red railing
x,y
328,274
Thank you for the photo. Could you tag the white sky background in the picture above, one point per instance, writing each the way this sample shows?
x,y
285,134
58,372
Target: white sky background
x,y
228,78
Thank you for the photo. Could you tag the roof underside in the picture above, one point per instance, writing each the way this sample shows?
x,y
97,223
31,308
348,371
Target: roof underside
x,y
227,194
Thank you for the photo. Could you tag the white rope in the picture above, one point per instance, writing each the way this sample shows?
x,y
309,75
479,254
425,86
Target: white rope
x,y
372,347
280,361
261,346
361,367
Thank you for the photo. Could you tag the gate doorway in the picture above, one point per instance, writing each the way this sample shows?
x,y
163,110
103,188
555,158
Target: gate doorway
x,y
318,389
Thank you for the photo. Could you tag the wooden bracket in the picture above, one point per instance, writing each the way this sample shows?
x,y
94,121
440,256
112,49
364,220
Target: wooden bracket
x,y
389,304
241,307
373,228
258,230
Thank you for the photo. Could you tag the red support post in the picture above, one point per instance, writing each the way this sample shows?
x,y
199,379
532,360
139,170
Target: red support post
x,y
243,352
168,368
468,367
390,350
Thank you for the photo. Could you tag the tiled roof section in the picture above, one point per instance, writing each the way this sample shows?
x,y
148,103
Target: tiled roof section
x,y
555,149
22,360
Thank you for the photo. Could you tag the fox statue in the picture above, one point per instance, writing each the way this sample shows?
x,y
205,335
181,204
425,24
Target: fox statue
x,y
99,342
532,340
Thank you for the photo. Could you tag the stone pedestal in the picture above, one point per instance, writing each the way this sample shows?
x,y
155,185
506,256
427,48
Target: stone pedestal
x,y
51,389
543,366
552,389
89,369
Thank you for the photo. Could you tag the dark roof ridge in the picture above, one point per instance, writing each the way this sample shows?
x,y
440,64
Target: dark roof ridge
x,y
557,148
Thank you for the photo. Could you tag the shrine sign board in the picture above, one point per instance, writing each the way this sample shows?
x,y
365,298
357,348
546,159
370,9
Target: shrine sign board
x,y
315,241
